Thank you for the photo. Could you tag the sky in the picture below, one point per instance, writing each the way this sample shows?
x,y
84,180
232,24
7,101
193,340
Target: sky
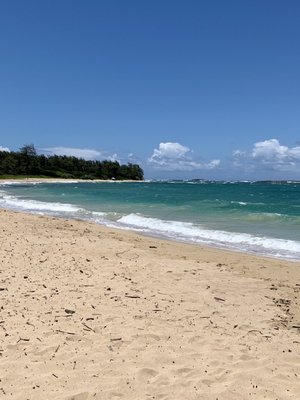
x,y
186,89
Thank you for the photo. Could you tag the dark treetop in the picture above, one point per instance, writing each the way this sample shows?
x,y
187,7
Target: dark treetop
x,y
27,162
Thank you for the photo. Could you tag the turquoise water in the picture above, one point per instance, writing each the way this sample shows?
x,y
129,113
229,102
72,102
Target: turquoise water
x,y
256,217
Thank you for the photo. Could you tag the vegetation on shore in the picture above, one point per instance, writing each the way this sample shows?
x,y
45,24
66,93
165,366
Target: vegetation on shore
x,y
27,163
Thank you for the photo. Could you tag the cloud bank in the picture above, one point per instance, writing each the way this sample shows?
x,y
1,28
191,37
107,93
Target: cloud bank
x,y
4,149
269,155
87,154
172,156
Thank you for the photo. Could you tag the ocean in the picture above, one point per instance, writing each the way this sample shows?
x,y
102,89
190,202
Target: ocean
x,y
261,218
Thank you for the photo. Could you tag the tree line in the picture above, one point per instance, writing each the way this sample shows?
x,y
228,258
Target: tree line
x,y
27,162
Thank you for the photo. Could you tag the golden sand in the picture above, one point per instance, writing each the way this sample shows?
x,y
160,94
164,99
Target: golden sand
x,y
88,312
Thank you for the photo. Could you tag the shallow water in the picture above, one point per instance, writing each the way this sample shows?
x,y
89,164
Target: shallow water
x,y
256,217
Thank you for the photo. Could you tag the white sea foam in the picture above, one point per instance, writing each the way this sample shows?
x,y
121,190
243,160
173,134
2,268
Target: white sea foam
x,y
35,205
176,230
50,208
194,233
15,183
33,183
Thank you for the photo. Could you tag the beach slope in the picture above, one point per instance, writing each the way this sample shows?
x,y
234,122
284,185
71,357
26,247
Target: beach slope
x,y
88,312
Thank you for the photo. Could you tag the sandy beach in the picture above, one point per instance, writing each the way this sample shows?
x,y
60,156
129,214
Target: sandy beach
x,y
89,312
60,180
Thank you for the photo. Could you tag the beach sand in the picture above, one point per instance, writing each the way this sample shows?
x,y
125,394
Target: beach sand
x,y
88,312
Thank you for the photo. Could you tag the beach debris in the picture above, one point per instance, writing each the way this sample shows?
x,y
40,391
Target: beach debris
x,y
23,340
68,333
152,247
219,299
86,285
132,296
88,327
55,351
2,288
115,339
68,311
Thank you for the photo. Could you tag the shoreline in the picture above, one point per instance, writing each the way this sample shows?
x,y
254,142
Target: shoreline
x,y
265,248
213,247
91,312
61,180
215,252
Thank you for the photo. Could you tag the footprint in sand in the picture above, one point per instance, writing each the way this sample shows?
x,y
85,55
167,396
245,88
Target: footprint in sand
x,y
147,374
150,338
184,371
79,396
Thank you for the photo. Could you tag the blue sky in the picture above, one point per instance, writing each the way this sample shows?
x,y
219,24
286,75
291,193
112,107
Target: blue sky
x,y
187,89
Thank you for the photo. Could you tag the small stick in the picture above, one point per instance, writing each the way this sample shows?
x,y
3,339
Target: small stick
x,y
219,299
23,339
69,333
88,327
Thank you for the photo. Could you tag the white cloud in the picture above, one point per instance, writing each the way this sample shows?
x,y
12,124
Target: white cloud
x,y
238,153
213,164
170,150
4,149
87,154
113,158
172,156
269,154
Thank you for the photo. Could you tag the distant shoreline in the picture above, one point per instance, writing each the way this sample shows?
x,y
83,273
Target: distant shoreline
x,y
62,180
74,180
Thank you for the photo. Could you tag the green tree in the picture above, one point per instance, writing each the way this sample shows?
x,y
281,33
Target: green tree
x,y
28,162
28,150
